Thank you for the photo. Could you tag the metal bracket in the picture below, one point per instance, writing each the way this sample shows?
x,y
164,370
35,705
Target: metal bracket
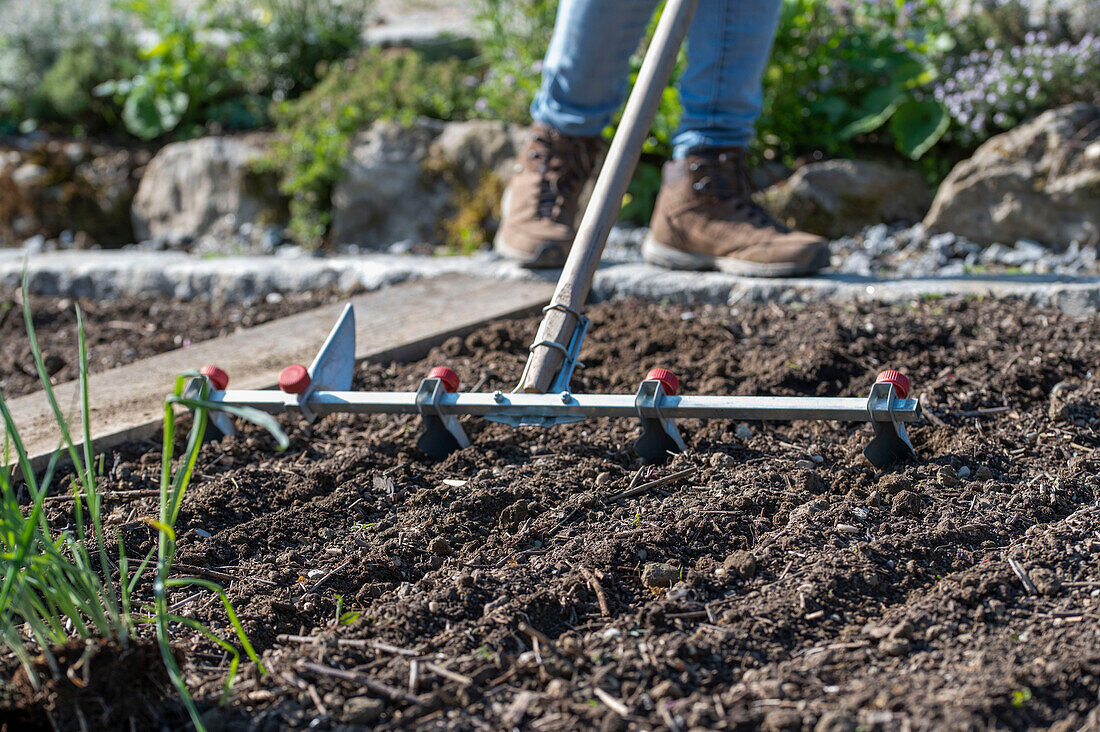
x,y
218,424
569,353
442,433
891,442
333,367
660,437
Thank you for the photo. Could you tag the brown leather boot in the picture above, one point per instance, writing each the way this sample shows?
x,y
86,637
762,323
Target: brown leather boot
x,y
539,207
705,218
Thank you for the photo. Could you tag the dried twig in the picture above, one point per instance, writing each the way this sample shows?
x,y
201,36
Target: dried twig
x,y
1022,574
594,583
644,487
106,495
448,674
613,704
347,643
370,684
215,574
325,579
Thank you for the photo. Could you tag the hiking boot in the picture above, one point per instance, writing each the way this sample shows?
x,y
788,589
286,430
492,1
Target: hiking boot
x,y
539,207
705,218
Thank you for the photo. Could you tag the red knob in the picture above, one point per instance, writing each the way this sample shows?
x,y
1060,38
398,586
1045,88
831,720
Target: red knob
x,y
668,380
898,379
218,378
294,379
448,376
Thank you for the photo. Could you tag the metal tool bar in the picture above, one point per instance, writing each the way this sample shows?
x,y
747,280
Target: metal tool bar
x,y
849,409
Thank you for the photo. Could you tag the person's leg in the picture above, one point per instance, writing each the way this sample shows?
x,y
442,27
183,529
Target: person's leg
x,y
728,45
586,69
705,217
584,80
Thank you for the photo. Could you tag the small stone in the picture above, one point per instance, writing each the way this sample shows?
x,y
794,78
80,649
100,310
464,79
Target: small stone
x,y
721,460
894,646
743,432
604,478
983,473
433,606
440,547
892,484
363,710
875,499
1045,581
964,472
659,575
464,580
906,503
948,477
741,564
202,533
782,720
514,515
835,721
666,689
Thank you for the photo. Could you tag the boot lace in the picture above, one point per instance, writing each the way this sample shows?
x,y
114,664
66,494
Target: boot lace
x,y
564,165
723,176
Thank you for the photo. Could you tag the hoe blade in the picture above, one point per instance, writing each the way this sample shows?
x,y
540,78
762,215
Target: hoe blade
x,y
334,365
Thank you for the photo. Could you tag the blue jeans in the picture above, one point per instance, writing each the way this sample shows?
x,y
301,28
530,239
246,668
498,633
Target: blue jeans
x,y
586,70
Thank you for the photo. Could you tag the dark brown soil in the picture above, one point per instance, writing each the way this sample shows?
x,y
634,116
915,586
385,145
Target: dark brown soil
x,y
100,686
120,331
784,585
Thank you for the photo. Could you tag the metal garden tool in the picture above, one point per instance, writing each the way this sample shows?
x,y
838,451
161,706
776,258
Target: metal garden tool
x,y
543,397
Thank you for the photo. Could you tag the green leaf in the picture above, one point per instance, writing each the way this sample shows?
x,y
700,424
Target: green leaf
x,y
141,115
918,125
877,107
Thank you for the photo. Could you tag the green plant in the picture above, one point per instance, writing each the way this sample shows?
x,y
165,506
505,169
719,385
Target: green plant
x,y
186,73
60,584
839,70
315,131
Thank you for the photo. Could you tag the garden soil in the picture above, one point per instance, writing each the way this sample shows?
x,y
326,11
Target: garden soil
x,y
121,331
779,582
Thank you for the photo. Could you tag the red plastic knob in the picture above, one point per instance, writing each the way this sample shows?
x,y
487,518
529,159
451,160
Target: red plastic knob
x,y
218,378
448,376
898,379
294,379
668,380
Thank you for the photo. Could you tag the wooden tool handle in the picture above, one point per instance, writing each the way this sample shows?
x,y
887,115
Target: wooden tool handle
x,y
607,196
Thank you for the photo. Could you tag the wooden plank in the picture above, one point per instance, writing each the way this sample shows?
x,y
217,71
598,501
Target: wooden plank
x,y
397,323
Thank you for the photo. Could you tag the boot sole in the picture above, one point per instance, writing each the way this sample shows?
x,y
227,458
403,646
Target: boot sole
x,y
549,256
663,255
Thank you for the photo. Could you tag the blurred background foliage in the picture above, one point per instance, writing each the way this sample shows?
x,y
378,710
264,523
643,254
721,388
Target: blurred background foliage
x,y
920,81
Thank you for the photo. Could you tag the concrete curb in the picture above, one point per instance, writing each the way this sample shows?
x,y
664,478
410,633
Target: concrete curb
x,y
106,275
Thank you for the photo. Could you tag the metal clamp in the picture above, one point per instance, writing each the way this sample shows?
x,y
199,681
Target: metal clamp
x,y
569,353
443,434
891,441
660,437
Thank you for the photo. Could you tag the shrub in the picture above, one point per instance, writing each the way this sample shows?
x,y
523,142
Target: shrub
x,y
60,583
316,130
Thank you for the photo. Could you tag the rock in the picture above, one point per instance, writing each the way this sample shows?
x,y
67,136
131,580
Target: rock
x,y
1036,182
363,710
782,720
905,503
838,198
1045,581
894,646
604,478
659,575
469,149
512,516
383,195
206,187
836,720
440,547
741,564
400,181
895,483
